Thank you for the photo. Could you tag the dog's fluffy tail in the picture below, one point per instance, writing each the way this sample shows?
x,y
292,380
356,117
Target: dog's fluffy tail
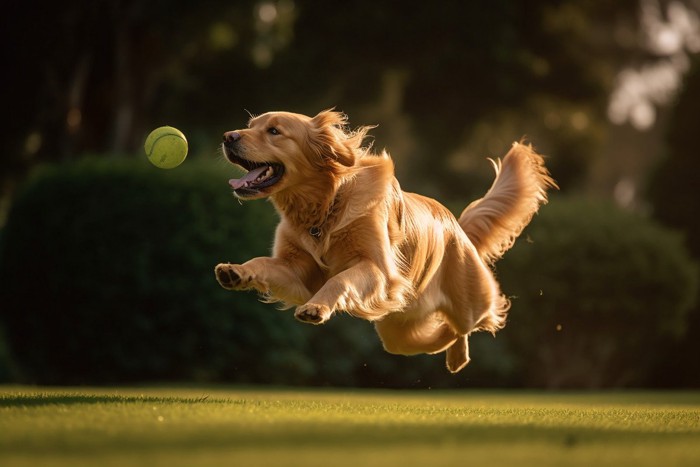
x,y
493,222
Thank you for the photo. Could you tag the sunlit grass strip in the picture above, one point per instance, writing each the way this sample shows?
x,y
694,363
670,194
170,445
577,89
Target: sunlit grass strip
x,y
289,427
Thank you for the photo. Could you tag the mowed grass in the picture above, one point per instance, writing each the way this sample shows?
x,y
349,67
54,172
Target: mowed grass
x,y
264,427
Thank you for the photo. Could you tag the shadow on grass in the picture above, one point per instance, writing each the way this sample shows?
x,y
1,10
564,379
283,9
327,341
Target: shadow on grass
x,y
37,400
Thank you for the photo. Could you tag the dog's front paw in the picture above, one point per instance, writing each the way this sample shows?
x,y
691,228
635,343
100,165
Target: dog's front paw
x,y
229,276
313,314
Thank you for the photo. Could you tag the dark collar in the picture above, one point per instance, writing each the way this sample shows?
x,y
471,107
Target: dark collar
x,y
316,231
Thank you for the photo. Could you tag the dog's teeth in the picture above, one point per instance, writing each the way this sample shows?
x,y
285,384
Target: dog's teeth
x,y
265,175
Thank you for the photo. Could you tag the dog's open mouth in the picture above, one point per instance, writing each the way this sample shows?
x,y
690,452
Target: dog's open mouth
x,y
259,176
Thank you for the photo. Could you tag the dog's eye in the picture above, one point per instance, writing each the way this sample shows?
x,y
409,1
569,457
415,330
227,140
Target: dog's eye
x,y
273,131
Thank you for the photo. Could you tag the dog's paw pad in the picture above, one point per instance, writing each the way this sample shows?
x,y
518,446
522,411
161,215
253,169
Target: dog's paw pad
x,y
312,314
227,276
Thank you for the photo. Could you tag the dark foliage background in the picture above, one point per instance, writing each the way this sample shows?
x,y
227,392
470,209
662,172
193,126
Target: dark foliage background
x,y
106,262
602,292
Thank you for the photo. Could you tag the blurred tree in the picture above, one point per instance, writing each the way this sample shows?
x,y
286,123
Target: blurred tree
x,y
91,72
89,76
673,193
472,78
449,83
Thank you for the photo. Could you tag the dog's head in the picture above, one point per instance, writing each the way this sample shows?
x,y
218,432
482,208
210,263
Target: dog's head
x,y
282,150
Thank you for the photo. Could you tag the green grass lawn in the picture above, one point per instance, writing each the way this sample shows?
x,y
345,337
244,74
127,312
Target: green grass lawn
x,y
333,428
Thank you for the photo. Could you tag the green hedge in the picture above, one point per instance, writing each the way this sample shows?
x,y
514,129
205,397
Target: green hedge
x,y
599,294
106,275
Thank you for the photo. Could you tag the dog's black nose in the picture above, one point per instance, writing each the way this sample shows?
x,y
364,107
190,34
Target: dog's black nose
x,y
231,137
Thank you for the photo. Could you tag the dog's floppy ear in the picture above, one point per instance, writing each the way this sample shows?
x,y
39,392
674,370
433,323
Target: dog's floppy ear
x,y
328,139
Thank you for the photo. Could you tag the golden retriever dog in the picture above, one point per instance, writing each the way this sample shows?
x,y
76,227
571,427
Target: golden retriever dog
x,y
350,240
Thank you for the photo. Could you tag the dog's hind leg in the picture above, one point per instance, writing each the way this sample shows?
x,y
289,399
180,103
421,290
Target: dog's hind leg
x,y
404,336
457,355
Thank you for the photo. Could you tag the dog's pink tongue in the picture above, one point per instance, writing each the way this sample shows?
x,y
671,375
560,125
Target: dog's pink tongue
x,y
237,183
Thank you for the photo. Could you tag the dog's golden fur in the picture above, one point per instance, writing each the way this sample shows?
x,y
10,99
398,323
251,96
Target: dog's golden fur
x,y
351,240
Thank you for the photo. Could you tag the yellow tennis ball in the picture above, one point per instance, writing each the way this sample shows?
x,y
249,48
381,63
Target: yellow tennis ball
x,y
166,147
